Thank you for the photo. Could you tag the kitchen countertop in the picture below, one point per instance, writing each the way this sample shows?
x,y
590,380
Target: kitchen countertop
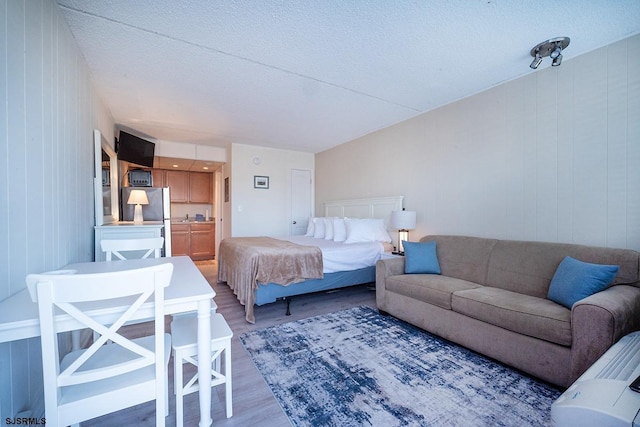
x,y
180,221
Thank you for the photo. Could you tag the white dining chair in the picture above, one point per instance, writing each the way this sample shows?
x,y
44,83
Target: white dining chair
x,y
127,249
185,349
116,247
102,379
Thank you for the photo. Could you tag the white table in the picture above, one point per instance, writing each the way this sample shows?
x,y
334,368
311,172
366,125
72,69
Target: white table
x,y
188,291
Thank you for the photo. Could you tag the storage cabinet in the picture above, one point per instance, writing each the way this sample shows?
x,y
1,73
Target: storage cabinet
x,y
124,230
178,181
196,240
180,239
157,176
200,187
186,187
202,244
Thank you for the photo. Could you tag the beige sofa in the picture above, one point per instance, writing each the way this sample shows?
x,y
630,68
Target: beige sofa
x,y
491,297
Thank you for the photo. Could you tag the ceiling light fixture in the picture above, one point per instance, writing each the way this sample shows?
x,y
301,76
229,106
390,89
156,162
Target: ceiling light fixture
x,y
551,48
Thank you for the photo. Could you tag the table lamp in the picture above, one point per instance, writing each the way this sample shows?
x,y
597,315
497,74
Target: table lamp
x,y
403,221
138,198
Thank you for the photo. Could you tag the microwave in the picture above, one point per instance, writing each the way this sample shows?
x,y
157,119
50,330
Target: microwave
x,y
140,178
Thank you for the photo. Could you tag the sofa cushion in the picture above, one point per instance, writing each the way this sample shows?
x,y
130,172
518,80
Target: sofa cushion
x,y
429,288
528,267
463,257
420,258
575,280
524,314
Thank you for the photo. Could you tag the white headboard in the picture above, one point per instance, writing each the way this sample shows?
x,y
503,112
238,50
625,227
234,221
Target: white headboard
x,y
375,207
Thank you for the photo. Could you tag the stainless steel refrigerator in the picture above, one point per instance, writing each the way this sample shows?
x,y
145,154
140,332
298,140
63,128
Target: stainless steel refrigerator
x,y
158,209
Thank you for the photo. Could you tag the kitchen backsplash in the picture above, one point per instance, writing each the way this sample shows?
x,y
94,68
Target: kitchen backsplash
x,y
180,210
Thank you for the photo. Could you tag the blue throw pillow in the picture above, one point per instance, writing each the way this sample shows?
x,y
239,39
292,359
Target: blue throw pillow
x,y
420,258
575,280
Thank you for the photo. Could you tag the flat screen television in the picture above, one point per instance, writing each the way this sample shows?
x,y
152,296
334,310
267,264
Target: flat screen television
x,y
135,150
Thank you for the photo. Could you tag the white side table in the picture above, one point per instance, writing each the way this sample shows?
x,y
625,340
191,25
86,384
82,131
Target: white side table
x,y
125,230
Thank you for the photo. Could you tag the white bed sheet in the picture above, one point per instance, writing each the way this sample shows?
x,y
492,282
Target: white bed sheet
x,y
339,256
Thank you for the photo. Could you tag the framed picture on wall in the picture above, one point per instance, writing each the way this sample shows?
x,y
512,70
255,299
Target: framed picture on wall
x,y
261,182
226,189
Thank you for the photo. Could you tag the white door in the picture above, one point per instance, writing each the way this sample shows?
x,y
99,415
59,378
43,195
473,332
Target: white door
x,y
300,201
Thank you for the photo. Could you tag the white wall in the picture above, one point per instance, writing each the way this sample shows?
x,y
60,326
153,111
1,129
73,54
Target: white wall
x,y
185,150
552,156
260,212
47,117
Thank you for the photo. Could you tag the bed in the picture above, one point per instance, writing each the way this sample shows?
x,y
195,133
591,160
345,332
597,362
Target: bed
x,y
338,250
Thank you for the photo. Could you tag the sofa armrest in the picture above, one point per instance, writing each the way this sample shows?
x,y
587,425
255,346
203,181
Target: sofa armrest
x,y
599,321
386,268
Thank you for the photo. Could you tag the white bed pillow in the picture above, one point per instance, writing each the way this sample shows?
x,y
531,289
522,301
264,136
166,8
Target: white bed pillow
x,y
366,230
318,228
328,228
310,228
339,230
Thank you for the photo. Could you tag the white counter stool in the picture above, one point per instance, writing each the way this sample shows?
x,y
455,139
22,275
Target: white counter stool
x,y
184,333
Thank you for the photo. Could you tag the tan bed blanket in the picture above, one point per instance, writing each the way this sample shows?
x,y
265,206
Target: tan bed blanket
x,y
244,262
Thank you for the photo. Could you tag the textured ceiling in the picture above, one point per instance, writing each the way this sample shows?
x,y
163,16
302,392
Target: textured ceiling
x,y
310,75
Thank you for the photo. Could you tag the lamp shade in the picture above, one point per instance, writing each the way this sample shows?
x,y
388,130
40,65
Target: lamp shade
x,y
403,220
138,197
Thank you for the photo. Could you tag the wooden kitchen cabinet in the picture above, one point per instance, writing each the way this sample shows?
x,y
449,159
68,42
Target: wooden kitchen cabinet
x,y
200,187
178,181
157,177
186,187
202,245
197,240
180,239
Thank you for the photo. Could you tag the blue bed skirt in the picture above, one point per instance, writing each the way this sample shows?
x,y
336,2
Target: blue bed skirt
x,y
269,293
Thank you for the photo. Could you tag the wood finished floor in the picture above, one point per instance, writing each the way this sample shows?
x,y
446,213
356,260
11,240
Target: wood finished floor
x,y
253,403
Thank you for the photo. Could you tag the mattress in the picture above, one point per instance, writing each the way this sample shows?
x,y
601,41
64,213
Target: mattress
x,y
339,256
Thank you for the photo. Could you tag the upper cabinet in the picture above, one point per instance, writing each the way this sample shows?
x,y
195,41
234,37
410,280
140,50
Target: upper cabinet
x,y
186,187
200,187
158,177
178,182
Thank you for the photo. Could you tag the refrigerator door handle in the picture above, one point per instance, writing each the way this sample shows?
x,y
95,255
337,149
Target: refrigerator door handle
x,y
166,212
167,237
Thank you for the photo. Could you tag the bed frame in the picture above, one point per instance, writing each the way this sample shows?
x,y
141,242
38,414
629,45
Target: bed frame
x,y
376,207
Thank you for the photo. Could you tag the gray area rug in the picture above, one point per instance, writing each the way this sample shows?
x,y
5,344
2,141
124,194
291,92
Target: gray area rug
x,y
358,368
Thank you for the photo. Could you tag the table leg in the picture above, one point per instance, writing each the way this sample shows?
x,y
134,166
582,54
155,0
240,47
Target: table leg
x,y
75,339
204,361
